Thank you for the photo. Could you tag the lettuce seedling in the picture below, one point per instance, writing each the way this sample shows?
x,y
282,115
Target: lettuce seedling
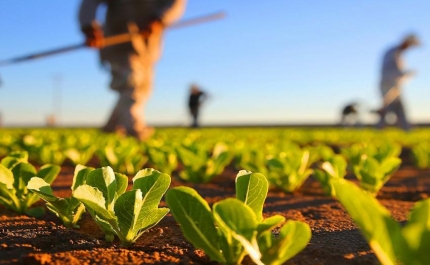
x,y
421,155
126,214
126,157
334,167
373,174
70,209
235,227
80,156
163,158
15,173
199,168
391,242
289,171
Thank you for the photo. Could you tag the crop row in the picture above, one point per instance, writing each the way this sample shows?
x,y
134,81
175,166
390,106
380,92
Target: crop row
x,y
286,157
232,229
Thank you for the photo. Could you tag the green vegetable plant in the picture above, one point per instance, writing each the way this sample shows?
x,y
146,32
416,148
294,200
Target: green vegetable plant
x,y
163,158
373,174
288,171
235,226
70,209
334,167
200,167
15,173
421,155
391,242
125,157
126,214
80,156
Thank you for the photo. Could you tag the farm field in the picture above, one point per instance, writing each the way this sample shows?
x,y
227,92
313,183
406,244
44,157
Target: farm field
x,y
184,154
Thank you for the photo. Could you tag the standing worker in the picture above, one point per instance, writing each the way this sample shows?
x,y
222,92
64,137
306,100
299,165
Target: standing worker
x,y
393,77
196,98
131,64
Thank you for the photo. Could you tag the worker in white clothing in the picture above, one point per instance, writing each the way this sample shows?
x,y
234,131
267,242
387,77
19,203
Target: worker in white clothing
x,y
393,77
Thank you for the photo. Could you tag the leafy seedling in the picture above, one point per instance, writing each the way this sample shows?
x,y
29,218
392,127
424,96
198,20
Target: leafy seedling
x,y
15,173
289,171
201,168
235,227
126,214
70,209
373,174
334,167
392,243
163,158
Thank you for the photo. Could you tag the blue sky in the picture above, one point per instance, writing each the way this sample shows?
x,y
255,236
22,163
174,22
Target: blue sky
x,y
278,61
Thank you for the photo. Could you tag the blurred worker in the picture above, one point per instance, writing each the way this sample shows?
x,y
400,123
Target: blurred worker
x,y
393,77
131,64
350,115
196,98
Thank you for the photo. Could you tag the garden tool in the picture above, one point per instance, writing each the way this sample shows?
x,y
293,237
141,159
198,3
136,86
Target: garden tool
x,y
113,40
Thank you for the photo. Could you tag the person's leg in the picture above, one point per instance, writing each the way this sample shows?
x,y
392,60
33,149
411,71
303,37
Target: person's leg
x,y
132,79
381,123
195,114
120,72
399,110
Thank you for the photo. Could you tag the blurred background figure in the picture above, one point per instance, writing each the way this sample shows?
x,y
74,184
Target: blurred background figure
x,y
131,64
197,96
393,77
350,115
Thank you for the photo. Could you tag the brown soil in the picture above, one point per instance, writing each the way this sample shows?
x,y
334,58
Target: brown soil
x,y
335,237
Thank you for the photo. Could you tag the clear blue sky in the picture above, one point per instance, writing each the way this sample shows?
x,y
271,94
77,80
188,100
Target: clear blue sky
x,y
272,61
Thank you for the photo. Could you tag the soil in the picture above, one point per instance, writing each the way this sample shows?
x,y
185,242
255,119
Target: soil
x,y
335,237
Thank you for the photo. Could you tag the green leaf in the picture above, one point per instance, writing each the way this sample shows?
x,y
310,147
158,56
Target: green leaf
x,y
150,220
104,180
417,235
293,238
49,173
371,217
41,187
22,172
153,185
252,188
13,158
80,175
121,183
270,223
238,225
127,209
6,177
93,198
192,212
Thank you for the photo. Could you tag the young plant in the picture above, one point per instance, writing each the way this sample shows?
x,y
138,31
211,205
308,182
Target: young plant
x,y
15,173
391,242
70,209
421,155
80,156
373,174
334,167
126,157
235,227
199,168
289,171
117,212
163,158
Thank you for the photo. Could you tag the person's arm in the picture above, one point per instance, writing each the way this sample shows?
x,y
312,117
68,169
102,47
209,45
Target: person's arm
x,y
171,12
89,25
404,74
